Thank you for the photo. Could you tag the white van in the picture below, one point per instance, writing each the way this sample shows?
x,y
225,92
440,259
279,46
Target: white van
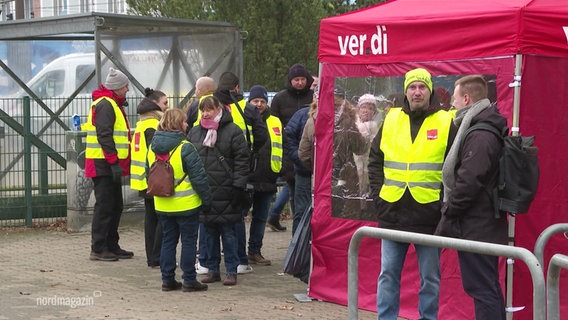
x,y
59,79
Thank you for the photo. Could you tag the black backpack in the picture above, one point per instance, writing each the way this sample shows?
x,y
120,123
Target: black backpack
x,y
518,172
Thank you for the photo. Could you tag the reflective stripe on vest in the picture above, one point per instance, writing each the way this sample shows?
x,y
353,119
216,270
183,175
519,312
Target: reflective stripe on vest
x,y
138,151
120,134
414,165
184,197
275,131
239,120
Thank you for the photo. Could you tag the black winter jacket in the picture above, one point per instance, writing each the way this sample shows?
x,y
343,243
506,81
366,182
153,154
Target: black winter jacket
x,y
470,208
231,144
294,131
406,214
284,104
263,178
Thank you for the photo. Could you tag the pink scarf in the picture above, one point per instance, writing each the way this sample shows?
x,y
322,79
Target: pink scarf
x,y
211,125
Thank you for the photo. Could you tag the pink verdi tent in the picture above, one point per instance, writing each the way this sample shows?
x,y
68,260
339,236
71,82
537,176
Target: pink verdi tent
x,y
449,38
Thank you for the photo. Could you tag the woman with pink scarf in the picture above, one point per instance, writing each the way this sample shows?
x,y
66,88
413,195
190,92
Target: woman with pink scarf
x,y
224,151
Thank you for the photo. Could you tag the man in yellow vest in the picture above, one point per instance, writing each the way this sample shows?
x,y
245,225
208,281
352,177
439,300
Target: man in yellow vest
x,y
405,177
204,87
107,159
263,180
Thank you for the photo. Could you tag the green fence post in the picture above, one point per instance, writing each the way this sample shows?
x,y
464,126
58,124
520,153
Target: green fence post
x,y
42,172
28,161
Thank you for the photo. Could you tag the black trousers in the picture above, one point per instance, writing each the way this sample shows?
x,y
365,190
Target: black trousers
x,y
152,233
106,218
480,279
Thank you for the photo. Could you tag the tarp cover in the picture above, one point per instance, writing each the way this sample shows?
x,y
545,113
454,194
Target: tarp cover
x,y
448,38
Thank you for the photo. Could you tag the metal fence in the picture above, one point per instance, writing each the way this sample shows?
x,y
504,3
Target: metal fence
x,y
33,183
531,261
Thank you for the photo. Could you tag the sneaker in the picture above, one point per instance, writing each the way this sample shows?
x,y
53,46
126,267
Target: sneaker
x,y
230,280
123,254
244,268
194,286
211,277
171,286
103,256
274,224
199,269
257,258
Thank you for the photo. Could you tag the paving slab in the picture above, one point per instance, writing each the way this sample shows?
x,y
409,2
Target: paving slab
x,y
47,274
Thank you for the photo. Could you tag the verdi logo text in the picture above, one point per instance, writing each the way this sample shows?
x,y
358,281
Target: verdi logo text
x,y
364,44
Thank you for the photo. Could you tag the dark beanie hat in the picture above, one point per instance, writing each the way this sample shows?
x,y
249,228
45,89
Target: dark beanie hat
x,y
297,70
258,92
228,81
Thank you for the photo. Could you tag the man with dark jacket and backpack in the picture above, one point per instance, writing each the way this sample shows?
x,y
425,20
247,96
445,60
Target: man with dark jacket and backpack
x,y
472,165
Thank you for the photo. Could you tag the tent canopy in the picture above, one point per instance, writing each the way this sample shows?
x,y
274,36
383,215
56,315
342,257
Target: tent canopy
x,y
412,30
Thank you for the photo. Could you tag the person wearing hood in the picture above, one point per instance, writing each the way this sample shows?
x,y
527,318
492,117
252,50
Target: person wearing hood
x,y
107,160
469,213
223,149
150,111
297,95
179,213
368,122
405,178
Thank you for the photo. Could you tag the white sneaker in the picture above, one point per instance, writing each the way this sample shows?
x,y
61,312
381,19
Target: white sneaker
x,y
199,269
244,268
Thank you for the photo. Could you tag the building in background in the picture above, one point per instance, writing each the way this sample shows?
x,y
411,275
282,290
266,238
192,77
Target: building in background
x,y
29,9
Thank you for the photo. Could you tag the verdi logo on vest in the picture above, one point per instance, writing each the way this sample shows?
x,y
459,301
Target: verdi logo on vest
x,y
432,134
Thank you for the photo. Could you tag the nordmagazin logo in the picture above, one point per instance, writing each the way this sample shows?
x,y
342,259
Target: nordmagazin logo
x,y
363,44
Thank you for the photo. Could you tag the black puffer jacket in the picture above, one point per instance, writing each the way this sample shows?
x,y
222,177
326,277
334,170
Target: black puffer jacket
x,y
231,144
406,214
263,178
477,168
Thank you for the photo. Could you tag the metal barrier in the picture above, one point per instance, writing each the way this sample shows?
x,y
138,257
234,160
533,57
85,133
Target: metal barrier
x,y
553,282
544,237
539,311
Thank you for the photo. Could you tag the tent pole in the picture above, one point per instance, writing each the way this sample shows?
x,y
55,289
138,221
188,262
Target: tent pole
x,y
516,84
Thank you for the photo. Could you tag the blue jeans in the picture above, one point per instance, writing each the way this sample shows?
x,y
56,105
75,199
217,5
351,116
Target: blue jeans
x,y
227,234
172,228
260,206
281,199
241,233
302,199
202,245
393,255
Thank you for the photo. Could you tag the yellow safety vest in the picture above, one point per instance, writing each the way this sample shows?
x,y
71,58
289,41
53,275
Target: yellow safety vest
x,y
184,198
120,134
138,151
199,110
275,131
414,165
